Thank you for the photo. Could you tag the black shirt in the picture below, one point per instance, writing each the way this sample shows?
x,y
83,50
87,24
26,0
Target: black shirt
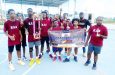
x,y
84,23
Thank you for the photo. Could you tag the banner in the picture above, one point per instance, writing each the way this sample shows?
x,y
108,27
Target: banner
x,y
67,38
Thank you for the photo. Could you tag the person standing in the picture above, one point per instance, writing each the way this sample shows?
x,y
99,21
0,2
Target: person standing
x,y
83,24
96,34
45,26
31,26
12,29
23,43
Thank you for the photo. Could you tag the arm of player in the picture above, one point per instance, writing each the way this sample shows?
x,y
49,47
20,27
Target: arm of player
x,y
20,36
103,36
11,37
87,40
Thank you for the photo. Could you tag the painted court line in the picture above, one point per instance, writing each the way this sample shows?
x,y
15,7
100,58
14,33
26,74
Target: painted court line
x,y
27,71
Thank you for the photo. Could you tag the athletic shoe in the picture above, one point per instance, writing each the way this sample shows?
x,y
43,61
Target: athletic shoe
x,y
47,51
11,67
24,58
94,67
50,55
31,62
87,62
59,57
38,61
40,56
20,62
66,60
75,58
54,59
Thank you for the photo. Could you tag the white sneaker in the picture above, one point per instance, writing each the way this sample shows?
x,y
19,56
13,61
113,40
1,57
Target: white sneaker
x,y
25,59
11,66
84,55
20,62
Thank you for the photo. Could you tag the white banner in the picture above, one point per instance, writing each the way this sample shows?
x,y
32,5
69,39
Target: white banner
x,y
68,38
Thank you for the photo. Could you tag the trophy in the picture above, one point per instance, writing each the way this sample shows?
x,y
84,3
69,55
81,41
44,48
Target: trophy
x,y
36,34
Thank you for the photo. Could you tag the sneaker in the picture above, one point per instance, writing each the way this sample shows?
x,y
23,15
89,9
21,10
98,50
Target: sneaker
x,y
50,55
59,57
94,67
24,58
20,62
38,61
84,55
11,67
54,59
75,58
40,56
31,62
47,51
66,60
87,62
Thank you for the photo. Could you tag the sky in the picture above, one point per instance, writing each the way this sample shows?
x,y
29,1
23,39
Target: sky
x,y
104,8
97,7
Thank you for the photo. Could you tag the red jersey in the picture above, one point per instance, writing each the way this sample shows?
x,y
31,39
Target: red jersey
x,y
13,28
73,27
93,31
29,25
45,25
56,28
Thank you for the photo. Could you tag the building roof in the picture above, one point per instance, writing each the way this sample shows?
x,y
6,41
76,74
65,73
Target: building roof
x,y
52,3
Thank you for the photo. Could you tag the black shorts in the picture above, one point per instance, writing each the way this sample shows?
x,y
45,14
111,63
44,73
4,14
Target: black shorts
x,y
43,39
24,41
11,48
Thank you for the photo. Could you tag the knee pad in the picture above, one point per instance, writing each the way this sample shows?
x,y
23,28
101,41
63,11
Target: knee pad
x,y
31,50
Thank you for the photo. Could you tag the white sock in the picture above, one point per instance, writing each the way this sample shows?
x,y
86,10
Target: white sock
x,y
68,57
10,62
41,53
54,55
36,57
59,55
75,55
50,53
19,58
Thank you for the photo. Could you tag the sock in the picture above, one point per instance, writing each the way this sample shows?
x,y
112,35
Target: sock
x,y
36,57
94,62
59,55
10,62
68,57
75,55
19,58
50,53
31,58
41,53
54,55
